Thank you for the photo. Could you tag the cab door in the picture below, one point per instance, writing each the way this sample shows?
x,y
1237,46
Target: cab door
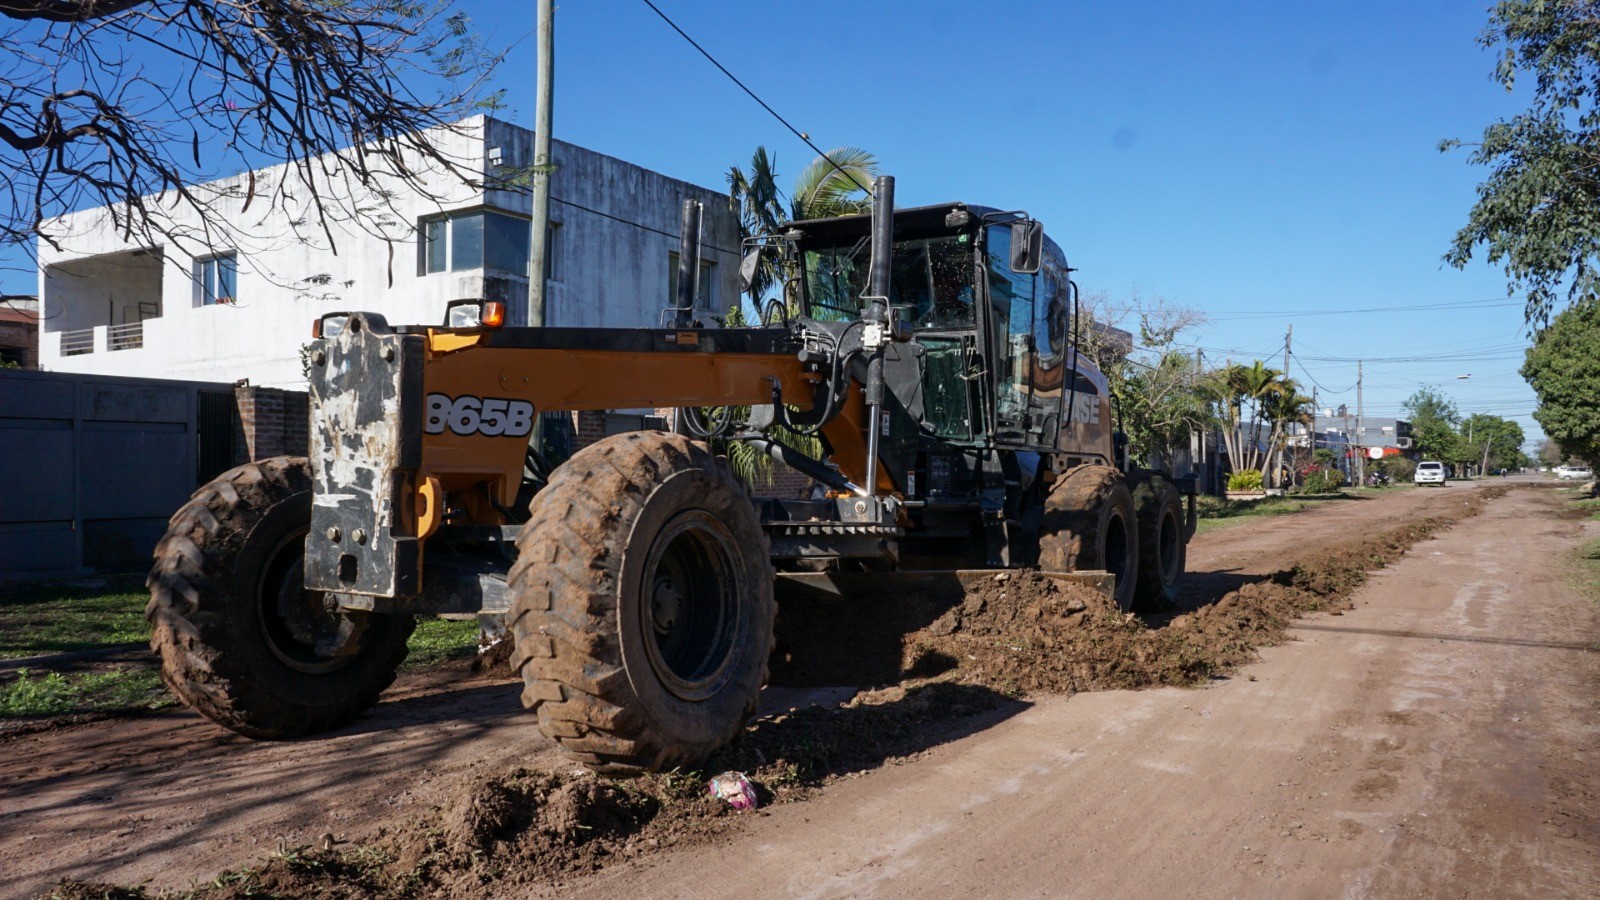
x,y
1025,332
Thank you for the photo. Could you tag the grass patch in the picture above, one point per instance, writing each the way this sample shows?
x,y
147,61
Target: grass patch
x,y
43,618
1590,507
55,618
54,693
439,641
1216,512
1588,557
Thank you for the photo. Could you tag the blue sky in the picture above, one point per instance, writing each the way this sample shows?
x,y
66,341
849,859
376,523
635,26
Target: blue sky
x,y
1263,162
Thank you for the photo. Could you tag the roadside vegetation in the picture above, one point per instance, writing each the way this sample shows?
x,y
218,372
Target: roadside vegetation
x,y
110,669
58,618
1214,513
115,689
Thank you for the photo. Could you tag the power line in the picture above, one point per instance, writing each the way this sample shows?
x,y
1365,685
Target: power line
x,y
1280,313
724,69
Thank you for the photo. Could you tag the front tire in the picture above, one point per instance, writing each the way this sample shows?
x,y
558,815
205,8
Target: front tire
x,y
1089,524
241,640
642,604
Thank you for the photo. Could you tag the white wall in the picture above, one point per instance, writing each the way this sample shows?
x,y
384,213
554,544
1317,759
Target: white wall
x,y
619,223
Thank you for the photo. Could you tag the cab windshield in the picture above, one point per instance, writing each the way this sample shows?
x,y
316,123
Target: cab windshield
x,y
931,281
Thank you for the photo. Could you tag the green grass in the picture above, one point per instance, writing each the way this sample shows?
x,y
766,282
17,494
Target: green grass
x,y
1215,513
54,618
1592,507
55,693
1588,557
439,640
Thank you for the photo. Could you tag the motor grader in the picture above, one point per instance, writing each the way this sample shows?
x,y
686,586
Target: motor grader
x,y
929,352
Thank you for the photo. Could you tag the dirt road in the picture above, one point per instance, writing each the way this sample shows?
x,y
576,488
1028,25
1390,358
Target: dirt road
x,y
1438,739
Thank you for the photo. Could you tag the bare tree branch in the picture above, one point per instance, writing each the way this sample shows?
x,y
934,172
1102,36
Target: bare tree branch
x,y
135,105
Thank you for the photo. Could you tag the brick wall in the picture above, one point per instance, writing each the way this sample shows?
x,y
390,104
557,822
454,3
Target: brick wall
x,y
20,331
272,422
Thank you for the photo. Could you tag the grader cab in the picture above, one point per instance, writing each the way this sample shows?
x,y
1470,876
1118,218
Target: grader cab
x,y
929,352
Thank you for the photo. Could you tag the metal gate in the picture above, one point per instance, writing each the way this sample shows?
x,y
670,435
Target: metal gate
x,y
91,467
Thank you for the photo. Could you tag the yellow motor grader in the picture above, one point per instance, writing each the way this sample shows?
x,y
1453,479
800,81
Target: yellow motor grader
x,y
932,358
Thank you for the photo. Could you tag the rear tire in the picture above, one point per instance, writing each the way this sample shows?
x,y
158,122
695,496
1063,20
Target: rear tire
x,y
1089,524
642,604
241,641
1162,550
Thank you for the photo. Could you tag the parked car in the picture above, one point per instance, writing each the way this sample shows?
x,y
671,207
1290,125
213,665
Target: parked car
x,y
1575,473
1430,473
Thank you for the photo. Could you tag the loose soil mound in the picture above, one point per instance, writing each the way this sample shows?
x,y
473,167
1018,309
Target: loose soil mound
x,y
963,664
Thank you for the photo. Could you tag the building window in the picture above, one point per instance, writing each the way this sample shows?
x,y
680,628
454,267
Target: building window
x,y
705,292
481,239
552,252
434,256
218,279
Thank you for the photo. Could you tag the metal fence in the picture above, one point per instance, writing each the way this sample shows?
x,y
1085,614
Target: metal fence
x,y
91,467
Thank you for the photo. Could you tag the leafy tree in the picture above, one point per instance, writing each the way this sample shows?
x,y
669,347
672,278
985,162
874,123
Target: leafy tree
x,y
1491,442
1563,366
1157,389
1538,212
130,104
1549,453
1433,421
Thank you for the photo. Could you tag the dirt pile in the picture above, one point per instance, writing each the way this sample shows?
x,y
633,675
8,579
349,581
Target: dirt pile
x,y
1025,633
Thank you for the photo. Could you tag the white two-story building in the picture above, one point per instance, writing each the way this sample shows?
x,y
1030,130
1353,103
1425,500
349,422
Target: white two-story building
x,y
237,308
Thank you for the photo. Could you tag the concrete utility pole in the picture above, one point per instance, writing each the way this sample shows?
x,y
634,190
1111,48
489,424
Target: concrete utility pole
x,y
540,226
1281,452
1361,478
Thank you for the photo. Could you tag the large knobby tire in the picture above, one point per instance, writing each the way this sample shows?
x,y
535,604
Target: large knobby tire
x,y
1162,549
1089,524
241,640
642,604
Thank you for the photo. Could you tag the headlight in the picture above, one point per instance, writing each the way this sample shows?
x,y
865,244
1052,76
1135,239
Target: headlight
x,y
475,314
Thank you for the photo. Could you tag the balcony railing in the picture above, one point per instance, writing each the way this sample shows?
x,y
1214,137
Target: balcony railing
x,y
125,337
77,343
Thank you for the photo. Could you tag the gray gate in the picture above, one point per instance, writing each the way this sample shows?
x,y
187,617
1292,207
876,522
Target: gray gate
x,y
91,467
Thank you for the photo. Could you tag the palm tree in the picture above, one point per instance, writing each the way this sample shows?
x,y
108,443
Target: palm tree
x,y
754,198
832,185
1244,391
1285,407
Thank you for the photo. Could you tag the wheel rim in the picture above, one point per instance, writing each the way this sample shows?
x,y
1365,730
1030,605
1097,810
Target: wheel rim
x,y
304,629
689,608
1168,543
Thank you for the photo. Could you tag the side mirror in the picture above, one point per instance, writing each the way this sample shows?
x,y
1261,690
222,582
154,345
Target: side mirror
x,y
748,268
1027,246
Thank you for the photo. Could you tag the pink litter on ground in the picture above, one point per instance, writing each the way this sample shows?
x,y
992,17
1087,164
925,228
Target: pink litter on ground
x,y
735,789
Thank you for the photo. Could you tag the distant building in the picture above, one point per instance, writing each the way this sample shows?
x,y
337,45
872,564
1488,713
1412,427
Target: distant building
x,y
230,313
19,333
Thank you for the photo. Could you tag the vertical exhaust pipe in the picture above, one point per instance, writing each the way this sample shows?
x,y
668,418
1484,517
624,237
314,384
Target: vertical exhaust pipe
x,y
877,308
876,315
688,263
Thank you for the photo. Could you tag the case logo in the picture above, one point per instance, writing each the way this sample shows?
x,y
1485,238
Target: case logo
x,y
469,415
